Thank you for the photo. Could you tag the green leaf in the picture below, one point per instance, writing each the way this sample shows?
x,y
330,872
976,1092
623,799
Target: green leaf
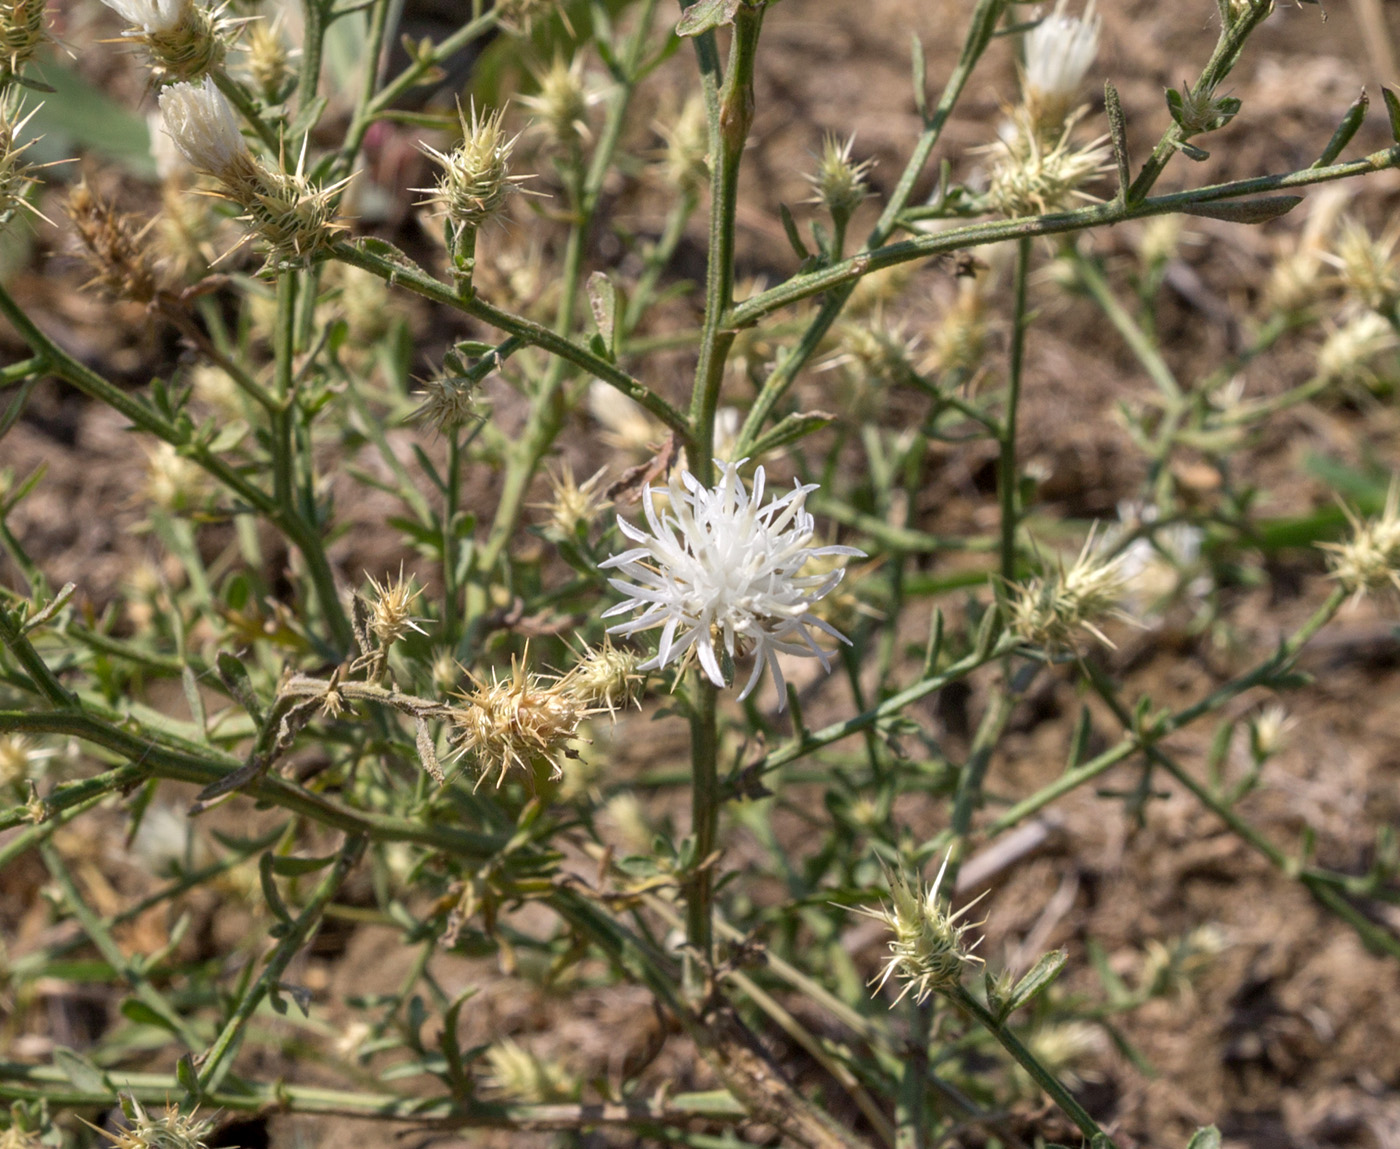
x,y
791,428
1207,1137
1041,976
271,894
1392,109
185,1074
234,675
706,15
1246,211
142,1014
84,1075
1350,123
794,237
602,302
289,867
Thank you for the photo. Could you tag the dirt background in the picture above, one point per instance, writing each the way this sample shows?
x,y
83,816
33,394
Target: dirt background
x,y
1289,1037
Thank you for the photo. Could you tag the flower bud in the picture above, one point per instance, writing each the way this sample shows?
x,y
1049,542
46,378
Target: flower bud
x,y
1050,611
840,184
561,104
927,950
475,180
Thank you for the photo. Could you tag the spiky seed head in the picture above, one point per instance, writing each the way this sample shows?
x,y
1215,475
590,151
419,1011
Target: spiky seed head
x,y
1054,611
519,721
21,32
451,400
171,1130
391,609
927,950
1036,174
838,183
1370,559
1269,730
475,180
296,219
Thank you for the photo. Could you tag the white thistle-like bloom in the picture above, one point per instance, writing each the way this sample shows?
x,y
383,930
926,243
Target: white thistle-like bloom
x,y
720,568
204,127
1059,51
151,16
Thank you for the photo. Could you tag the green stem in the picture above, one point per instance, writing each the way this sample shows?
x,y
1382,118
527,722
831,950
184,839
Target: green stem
x,y
1008,481
214,1068
1027,1060
283,349
705,801
801,287
1133,335
729,132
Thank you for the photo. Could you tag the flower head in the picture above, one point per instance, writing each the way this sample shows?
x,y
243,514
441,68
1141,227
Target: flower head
x,y
927,950
204,127
839,183
1059,51
1370,559
184,38
1049,611
720,568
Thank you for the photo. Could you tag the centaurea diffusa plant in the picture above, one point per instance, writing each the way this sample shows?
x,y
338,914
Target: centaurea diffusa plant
x,y
467,762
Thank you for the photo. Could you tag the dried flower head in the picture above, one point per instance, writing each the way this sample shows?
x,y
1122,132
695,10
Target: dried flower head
x,y
1059,51
1347,353
268,59
721,572
573,507
1269,730
174,482
927,950
184,38
1050,611
114,248
475,180
838,184
1370,559
517,1073
391,609
1037,173
451,399
1367,267
520,721
560,105
521,16
686,163
21,32
171,1130
605,677
876,352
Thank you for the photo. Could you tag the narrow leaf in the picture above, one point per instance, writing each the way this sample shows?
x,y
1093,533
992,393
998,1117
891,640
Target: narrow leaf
x,y
1041,976
1350,124
791,428
427,751
185,1074
289,867
794,237
193,699
1246,211
602,301
84,1075
1392,109
271,894
234,675
1118,131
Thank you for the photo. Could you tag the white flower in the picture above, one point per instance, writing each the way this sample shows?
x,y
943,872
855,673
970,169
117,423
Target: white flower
x,y
717,566
205,128
151,16
1059,51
